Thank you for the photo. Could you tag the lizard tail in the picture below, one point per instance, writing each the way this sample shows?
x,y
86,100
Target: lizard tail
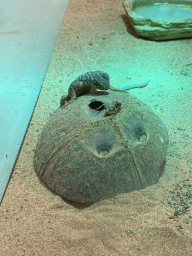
x,y
129,87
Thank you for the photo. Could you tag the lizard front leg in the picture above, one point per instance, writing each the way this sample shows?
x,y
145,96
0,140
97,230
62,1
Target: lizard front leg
x,y
69,98
64,98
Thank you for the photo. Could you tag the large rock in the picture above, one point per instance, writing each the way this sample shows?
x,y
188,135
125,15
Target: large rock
x,y
99,146
158,29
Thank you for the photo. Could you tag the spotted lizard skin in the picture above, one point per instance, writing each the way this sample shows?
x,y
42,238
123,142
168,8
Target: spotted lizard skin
x,y
91,82
86,83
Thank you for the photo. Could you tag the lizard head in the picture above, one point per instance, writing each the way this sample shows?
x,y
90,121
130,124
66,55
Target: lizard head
x,y
101,81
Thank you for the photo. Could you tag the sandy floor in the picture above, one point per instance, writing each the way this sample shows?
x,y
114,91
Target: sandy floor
x,y
35,221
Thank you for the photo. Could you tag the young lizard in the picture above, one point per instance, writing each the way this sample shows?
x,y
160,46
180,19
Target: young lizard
x,y
91,82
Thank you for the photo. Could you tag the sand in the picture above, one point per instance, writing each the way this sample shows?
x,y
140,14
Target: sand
x,y
154,221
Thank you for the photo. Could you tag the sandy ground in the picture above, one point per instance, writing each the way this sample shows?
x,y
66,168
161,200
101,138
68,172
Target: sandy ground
x,y
154,221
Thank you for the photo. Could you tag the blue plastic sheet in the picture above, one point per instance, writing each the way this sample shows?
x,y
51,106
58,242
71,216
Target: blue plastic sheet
x,y
28,32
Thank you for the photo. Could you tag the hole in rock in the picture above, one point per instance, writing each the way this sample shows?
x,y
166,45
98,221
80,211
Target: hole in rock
x,y
97,105
140,134
104,148
103,153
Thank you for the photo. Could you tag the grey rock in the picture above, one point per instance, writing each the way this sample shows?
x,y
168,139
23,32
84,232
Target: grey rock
x,y
101,145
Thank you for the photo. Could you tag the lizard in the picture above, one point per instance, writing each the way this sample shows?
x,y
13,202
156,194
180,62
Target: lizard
x,y
91,82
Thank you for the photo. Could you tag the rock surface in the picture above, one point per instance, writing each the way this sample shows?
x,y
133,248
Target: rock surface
x,y
88,152
157,29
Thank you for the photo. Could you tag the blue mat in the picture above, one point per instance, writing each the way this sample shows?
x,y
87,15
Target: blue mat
x,y
28,32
